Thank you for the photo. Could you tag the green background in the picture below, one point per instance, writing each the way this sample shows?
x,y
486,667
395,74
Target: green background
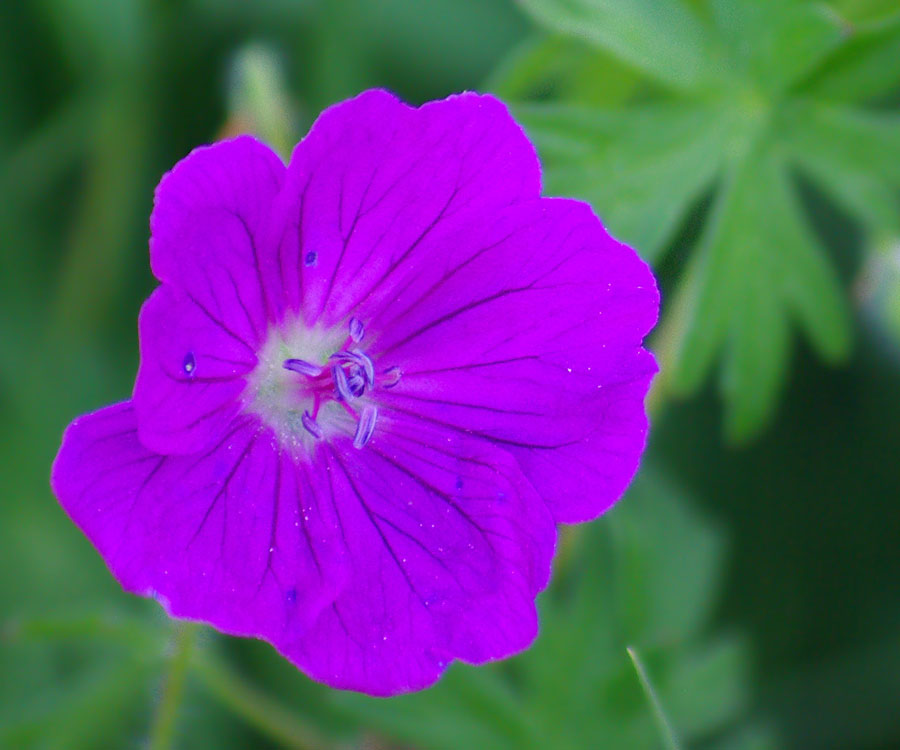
x,y
749,149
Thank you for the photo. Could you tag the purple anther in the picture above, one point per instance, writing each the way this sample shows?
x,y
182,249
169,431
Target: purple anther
x,y
365,427
311,426
340,382
302,366
367,366
189,364
357,330
391,377
357,385
344,356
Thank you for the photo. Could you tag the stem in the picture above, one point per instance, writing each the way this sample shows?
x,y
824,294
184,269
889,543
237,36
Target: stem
x,y
665,727
163,728
259,710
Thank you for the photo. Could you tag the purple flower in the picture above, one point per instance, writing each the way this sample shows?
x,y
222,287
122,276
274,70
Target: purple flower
x,y
371,384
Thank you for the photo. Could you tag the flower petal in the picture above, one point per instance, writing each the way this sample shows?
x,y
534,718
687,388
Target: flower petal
x,y
209,217
375,177
449,546
190,378
528,333
231,536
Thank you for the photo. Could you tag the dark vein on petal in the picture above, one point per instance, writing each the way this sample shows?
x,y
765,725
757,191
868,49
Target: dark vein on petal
x,y
267,309
222,490
220,324
378,529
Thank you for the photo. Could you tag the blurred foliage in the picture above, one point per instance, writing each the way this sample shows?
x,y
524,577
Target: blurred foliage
x,y
747,148
719,104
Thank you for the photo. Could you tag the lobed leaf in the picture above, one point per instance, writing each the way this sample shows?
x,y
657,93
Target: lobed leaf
x,y
864,68
662,38
773,43
642,168
757,265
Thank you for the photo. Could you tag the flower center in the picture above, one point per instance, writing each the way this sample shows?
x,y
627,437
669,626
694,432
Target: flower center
x,y
307,383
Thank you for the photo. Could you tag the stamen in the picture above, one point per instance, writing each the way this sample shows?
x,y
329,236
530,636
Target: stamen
x,y
357,330
357,385
367,366
340,382
311,426
302,366
391,377
365,427
189,364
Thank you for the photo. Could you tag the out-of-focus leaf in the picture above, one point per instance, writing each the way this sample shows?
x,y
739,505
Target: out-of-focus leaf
x,y
69,667
709,686
869,140
773,43
111,201
555,65
641,168
104,34
662,38
469,708
864,68
744,292
865,11
668,559
853,154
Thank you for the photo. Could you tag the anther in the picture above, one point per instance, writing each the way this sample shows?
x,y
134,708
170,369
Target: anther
x,y
189,364
357,385
357,330
391,377
365,427
302,366
367,366
311,426
340,382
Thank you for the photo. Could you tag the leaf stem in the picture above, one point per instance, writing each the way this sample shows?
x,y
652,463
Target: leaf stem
x,y
254,706
163,728
665,726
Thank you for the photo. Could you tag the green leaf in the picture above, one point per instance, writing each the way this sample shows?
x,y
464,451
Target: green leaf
x,y
662,38
865,68
865,11
641,168
773,43
565,68
709,687
740,293
668,559
868,140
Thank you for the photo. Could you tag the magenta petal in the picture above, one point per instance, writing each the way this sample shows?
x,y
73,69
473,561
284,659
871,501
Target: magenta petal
x,y
375,177
190,379
370,384
529,333
209,219
449,546
231,536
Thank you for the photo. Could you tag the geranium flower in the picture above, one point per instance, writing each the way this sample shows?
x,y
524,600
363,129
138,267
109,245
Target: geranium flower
x,y
371,384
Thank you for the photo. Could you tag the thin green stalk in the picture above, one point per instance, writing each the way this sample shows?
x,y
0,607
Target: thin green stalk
x,y
163,728
255,707
665,726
